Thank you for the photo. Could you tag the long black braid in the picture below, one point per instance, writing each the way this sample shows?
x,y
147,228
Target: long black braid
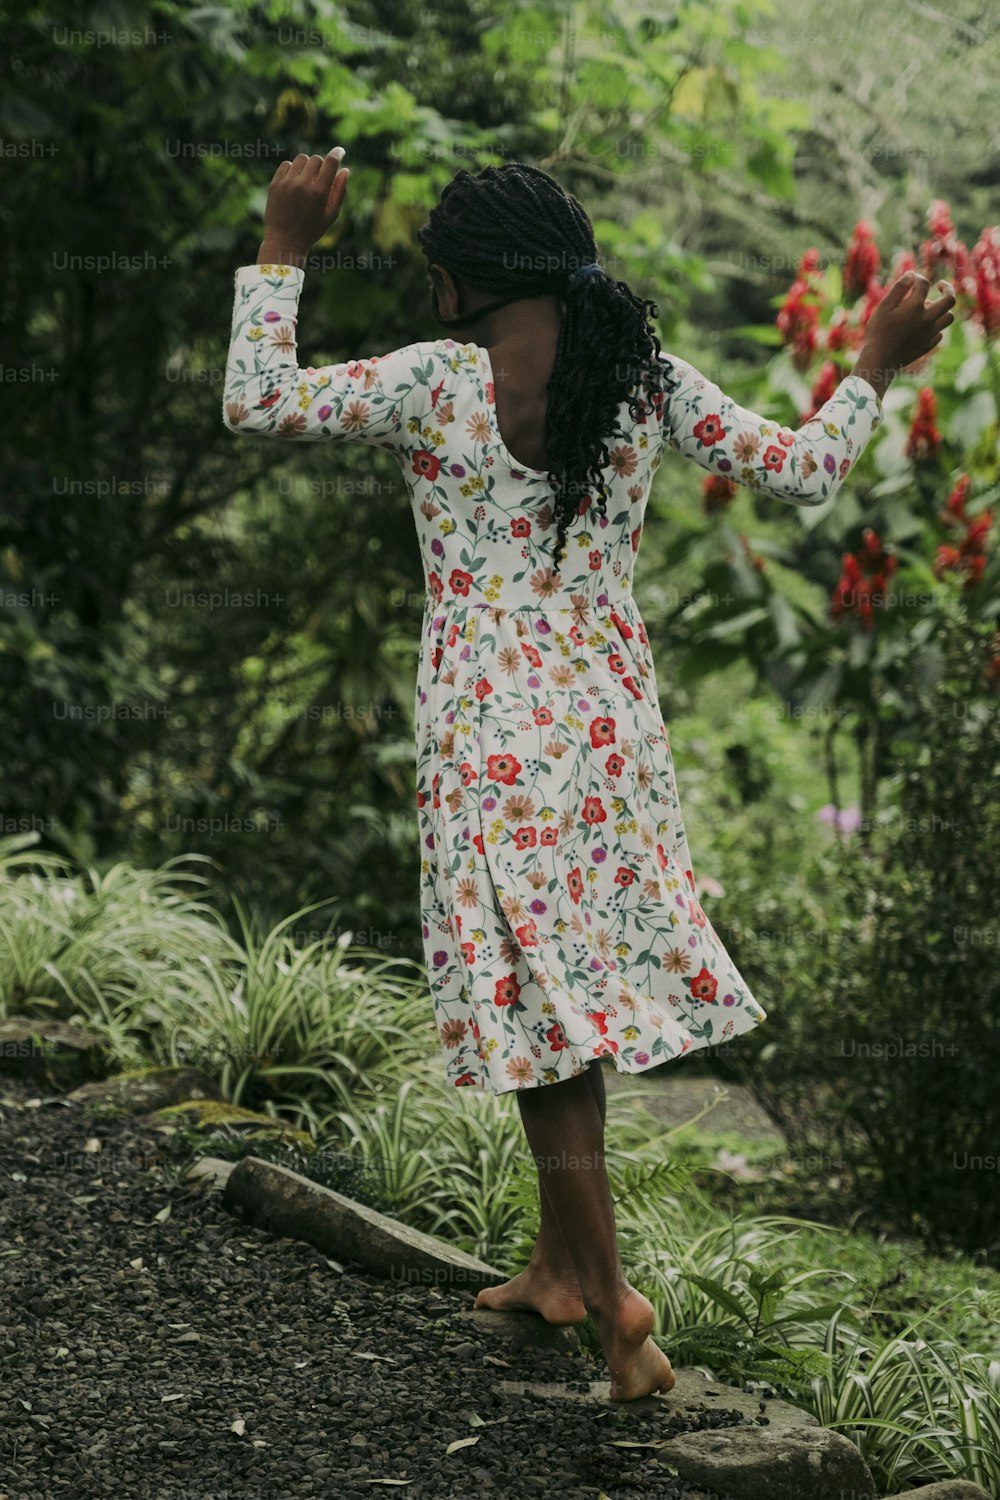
x,y
514,231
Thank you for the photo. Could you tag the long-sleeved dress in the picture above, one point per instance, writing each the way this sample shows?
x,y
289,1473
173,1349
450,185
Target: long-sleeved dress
x,y
558,901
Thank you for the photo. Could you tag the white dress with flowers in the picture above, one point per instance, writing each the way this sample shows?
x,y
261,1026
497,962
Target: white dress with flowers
x,y
560,915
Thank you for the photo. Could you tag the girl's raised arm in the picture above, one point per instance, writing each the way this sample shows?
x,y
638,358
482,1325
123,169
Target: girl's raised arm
x,y
805,465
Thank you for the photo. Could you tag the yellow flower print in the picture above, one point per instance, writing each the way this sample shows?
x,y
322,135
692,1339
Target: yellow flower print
x,y
255,334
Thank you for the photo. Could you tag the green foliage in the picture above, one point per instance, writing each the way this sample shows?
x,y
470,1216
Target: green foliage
x,y
889,1068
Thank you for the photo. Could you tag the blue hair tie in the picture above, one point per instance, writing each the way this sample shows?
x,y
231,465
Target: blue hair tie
x,y
588,270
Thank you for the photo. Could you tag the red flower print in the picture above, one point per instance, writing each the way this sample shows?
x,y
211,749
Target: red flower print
x,y
593,810
527,935
525,838
437,656
507,991
435,393
520,526
710,430
460,581
468,951
616,662
436,587
595,561
477,839
490,393
542,715
614,765
661,858
600,1020
602,732
556,1038
622,626
575,882
531,652
483,686
703,986
628,682
426,464
503,768
774,458
467,774
268,401
625,876
550,836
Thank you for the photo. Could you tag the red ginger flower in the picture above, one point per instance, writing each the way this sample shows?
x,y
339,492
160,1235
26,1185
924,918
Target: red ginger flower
x,y
986,276
826,383
798,318
716,493
862,260
861,587
943,253
924,439
969,557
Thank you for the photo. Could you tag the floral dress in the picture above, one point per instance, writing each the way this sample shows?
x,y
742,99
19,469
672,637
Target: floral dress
x,y
560,914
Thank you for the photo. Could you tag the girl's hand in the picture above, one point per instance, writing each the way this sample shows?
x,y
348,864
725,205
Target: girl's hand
x,y
303,200
904,326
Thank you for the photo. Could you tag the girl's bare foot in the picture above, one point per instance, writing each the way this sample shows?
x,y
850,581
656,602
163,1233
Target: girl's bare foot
x,y
557,1297
637,1365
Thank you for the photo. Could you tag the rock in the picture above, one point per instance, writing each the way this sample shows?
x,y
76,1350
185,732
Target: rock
x,y
520,1329
758,1463
947,1489
60,1051
213,1171
146,1089
693,1388
285,1203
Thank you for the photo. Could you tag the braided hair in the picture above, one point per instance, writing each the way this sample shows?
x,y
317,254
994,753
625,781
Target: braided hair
x,y
514,231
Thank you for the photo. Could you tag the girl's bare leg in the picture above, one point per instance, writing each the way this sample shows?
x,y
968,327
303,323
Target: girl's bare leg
x,y
564,1123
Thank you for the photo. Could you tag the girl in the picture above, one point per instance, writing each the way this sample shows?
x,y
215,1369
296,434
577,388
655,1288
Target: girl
x,y
561,921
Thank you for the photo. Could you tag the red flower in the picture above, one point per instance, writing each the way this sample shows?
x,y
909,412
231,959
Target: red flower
x,y
622,626
525,838
503,768
507,991
435,393
467,774
574,880
268,401
483,686
593,811
459,581
614,765
426,464
774,458
924,439
521,526
556,1037
826,383
531,652
542,715
625,876
550,835
710,430
527,935
862,260
703,986
602,732
716,493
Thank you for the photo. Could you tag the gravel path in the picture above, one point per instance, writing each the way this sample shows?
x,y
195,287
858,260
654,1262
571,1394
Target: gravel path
x,y
140,1322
